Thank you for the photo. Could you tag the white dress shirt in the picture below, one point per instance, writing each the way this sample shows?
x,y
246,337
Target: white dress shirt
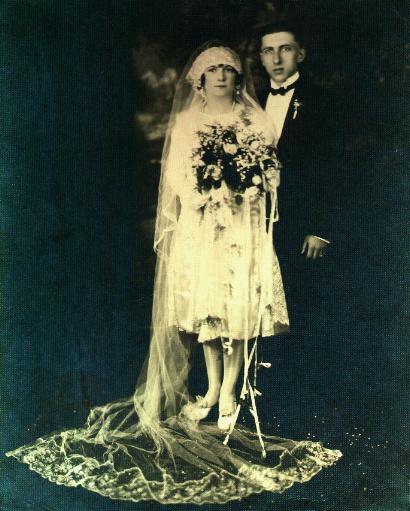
x,y
277,109
277,106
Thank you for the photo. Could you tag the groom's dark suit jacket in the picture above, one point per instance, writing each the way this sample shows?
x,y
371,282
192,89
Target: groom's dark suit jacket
x,y
310,149
310,152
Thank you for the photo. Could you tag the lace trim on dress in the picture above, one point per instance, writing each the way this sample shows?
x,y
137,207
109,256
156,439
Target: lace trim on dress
x,y
76,458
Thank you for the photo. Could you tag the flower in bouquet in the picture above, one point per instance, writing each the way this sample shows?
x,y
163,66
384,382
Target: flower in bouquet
x,y
229,142
230,148
236,156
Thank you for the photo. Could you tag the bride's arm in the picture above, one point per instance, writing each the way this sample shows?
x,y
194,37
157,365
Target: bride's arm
x,y
179,172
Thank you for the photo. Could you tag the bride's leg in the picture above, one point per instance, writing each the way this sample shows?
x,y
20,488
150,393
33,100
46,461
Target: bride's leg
x,y
232,367
213,361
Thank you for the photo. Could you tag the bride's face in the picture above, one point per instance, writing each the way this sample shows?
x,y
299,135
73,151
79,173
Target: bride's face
x,y
220,80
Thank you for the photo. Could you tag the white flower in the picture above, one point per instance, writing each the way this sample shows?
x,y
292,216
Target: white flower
x,y
255,144
256,180
197,161
215,172
296,105
230,148
252,191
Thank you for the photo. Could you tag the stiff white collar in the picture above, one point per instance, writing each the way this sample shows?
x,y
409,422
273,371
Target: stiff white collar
x,y
286,83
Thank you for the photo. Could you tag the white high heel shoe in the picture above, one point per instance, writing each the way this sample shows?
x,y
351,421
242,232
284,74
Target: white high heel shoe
x,y
227,418
196,410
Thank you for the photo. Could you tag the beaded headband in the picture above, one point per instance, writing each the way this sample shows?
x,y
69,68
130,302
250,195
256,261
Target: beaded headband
x,y
212,56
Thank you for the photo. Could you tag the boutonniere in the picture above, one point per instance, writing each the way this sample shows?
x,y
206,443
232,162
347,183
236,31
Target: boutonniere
x,y
296,105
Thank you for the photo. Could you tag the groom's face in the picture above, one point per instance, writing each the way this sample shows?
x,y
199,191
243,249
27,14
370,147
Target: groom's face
x,y
281,55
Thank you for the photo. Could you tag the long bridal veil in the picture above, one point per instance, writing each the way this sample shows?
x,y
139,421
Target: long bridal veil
x,y
142,447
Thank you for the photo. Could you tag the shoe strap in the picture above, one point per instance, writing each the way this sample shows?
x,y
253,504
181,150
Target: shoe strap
x,y
225,413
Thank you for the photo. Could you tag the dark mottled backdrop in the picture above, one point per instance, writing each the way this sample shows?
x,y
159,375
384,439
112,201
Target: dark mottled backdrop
x,y
85,89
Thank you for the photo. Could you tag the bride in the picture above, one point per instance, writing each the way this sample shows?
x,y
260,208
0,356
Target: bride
x,y
224,279
217,282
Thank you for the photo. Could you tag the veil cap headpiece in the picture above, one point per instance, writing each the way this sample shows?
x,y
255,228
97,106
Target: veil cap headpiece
x,y
213,56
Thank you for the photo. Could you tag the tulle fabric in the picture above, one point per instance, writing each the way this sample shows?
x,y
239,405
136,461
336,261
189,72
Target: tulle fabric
x,y
196,467
142,447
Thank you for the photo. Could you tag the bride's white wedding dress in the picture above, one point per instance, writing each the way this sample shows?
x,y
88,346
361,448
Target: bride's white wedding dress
x,y
226,280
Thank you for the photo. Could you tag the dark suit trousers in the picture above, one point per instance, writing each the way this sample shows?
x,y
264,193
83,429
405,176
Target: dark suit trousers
x,y
307,284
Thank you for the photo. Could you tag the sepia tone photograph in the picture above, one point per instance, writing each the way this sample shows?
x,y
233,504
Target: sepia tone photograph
x,y
204,255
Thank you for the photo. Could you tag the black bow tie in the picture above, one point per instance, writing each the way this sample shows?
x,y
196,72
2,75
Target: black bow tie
x,y
282,90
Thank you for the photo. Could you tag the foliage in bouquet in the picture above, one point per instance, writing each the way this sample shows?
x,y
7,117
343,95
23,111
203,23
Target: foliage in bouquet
x,y
236,155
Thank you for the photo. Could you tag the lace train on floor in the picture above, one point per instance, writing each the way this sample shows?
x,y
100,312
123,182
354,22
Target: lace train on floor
x,y
193,465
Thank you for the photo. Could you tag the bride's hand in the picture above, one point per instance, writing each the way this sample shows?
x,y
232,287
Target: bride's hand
x,y
271,179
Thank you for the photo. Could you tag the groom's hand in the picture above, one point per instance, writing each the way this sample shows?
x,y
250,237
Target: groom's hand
x,y
313,247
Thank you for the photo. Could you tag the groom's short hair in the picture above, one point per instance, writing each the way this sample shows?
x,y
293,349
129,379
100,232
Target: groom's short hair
x,y
284,26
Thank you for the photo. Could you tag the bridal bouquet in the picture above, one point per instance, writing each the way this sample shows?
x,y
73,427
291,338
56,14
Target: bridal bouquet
x,y
236,155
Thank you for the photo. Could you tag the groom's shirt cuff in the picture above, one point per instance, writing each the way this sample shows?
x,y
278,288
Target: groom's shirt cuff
x,y
323,239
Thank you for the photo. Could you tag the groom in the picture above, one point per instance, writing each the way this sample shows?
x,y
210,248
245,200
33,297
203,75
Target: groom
x,y
302,116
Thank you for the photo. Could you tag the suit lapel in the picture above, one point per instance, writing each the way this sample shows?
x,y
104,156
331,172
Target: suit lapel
x,y
295,115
